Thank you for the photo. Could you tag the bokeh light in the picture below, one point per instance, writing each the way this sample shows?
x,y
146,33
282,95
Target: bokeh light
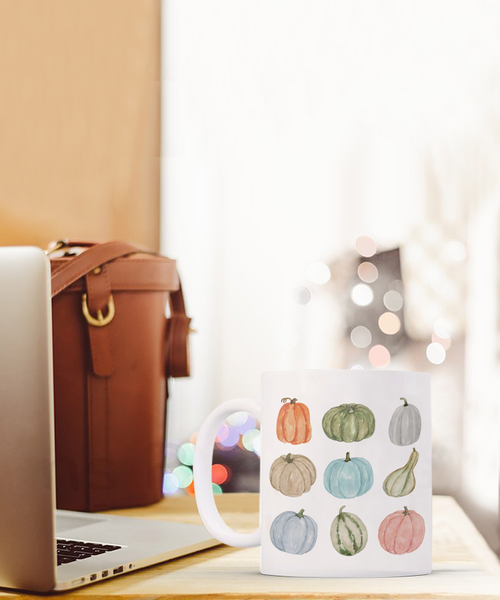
x,y
230,440
443,328
361,337
319,273
219,474
190,489
301,295
193,437
367,272
222,433
358,368
362,294
216,489
445,342
435,353
184,476
379,356
170,483
389,323
185,453
249,437
247,425
365,246
393,300
237,418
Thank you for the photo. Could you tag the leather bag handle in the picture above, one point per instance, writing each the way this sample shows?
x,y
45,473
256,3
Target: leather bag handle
x,y
88,260
177,362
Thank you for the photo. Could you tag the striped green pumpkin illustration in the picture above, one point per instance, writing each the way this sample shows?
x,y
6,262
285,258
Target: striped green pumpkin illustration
x,y
348,533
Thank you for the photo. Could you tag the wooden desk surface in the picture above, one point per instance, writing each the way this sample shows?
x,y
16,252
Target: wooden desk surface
x,y
463,565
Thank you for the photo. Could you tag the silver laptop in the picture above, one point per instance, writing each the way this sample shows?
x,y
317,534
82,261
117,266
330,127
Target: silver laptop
x,y
43,549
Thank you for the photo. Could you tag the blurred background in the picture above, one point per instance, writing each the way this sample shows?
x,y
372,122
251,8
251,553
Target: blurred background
x,y
331,186
327,175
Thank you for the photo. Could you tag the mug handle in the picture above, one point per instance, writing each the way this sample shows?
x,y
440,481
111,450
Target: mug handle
x,y
202,468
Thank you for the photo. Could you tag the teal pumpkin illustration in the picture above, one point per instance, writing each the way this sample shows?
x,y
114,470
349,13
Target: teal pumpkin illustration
x,y
348,533
295,533
349,423
348,478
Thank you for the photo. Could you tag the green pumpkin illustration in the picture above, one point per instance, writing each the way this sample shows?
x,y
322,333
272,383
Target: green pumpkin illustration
x,y
349,423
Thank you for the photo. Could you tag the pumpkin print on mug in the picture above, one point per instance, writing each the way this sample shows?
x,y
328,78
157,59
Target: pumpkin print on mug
x,y
348,533
401,482
405,425
349,423
295,533
294,422
401,532
292,474
349,477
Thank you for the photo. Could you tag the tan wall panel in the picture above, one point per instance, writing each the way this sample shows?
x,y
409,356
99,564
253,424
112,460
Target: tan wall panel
x,y
79,120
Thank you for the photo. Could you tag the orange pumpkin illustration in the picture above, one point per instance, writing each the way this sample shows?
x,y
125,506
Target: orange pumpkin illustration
x,y
294,422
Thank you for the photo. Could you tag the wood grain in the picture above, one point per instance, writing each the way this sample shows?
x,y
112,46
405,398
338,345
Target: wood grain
x,y
463,565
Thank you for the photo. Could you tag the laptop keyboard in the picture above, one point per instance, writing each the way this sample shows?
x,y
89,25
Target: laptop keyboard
x,y
71,550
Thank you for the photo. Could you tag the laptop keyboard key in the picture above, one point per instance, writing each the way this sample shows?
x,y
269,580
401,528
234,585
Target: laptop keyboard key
x,y
72,550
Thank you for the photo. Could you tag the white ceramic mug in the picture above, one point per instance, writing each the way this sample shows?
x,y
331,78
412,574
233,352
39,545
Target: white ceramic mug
x,y
345,478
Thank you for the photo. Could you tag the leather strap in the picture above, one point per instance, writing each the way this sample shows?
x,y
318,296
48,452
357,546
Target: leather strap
x,y
177,359
177,355
88,260
101,342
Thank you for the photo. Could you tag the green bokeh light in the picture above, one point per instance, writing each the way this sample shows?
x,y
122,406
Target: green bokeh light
x,y
216,489
184,475
249,437
185,453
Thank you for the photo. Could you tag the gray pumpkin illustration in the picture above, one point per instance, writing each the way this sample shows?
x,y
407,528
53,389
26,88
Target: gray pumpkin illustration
x,y
405,425
292,474
295,533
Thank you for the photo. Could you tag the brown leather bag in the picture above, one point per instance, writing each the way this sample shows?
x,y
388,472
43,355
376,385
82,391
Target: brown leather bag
x,y
114,349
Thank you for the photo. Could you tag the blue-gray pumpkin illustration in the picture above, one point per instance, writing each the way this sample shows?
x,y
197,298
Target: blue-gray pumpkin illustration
x,y
349,477
405,425
294,533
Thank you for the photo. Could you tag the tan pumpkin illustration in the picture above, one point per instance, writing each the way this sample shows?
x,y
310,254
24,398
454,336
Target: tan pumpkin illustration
x,y
294,422
292,474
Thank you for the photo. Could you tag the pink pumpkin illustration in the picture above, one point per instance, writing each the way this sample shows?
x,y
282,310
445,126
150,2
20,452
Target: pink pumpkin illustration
x,y
401,532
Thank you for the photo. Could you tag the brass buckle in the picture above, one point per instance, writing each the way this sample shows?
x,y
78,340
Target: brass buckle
x,y
55,246
101,320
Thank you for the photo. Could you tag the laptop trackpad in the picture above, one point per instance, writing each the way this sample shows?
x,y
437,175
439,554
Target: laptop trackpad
x,y
66,522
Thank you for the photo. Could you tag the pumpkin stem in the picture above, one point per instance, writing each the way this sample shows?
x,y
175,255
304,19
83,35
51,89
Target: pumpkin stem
x,y
347,457
341,508
405,401
292,400
288,457
406,512
300,514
